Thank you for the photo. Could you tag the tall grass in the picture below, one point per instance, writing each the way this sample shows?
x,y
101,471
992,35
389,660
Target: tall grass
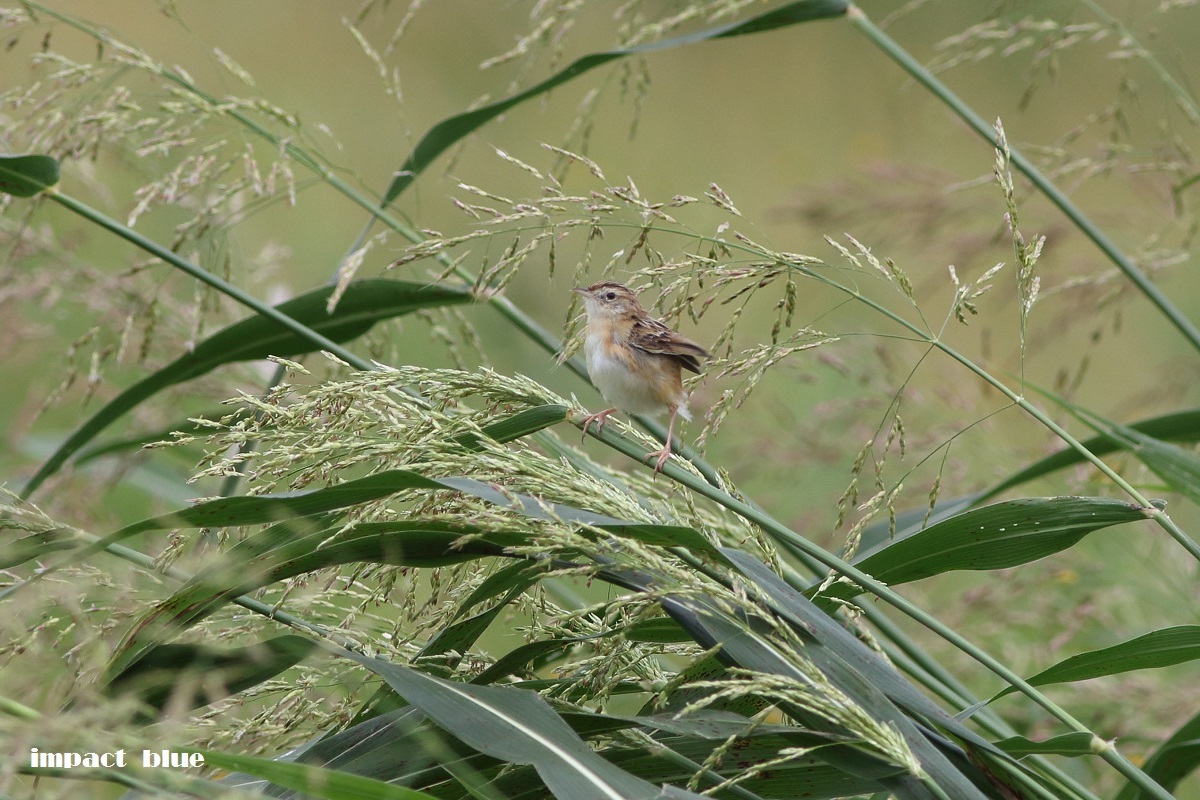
x,y
408,578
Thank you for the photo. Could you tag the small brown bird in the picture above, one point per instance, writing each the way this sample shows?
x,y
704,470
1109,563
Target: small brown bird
x,y
634,360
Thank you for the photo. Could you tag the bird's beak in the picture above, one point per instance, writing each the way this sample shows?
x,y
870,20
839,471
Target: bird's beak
x,y
579,290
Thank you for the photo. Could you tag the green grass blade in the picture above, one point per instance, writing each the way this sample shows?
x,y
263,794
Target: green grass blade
x,y
984,760
207,673
800,776
810,620
36,545
364,304
915,520
1181,426
255,510
453,129
523,423
1162,648
27,175
646,533
312,781
538,653
1180,468
450,644
390,747
529,656
518,727
256,563
115,446
998,536
500,582
1071,745
141,783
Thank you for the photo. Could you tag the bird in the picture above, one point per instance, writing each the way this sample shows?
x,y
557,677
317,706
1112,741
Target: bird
x,y
635,361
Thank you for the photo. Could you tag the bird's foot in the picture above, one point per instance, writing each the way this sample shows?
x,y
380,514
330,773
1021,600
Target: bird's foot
x,y
660,457
598,418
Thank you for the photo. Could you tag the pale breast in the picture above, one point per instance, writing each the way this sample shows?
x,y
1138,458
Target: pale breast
x,y
617,381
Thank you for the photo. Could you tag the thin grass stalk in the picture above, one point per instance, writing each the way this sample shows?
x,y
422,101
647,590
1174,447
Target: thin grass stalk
x,y
1030,787
18,710
1047,187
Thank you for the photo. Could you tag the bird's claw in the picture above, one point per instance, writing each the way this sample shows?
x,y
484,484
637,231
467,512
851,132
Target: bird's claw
x,y
661,457
599,418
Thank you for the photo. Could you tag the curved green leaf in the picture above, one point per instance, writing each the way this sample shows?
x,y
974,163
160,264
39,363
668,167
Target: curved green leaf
x,y
36,545
123,444
1071,745
799,776
312,781
207,673
537,653
1182,426
747,643
885,531
254,510
518,727
1180,468
501,581
749,646
998,536
450,644
1161,648
530,654
391,747
365,303
259,561
705,668
452,129
521,424
27,175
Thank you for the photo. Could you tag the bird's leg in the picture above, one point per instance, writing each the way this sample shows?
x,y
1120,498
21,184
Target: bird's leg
x,y
599,419
665,453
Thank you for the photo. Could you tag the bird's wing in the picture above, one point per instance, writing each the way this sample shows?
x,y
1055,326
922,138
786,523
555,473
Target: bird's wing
x,y
652,336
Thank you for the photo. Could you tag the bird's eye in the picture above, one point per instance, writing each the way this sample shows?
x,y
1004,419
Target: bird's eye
x,y
610,295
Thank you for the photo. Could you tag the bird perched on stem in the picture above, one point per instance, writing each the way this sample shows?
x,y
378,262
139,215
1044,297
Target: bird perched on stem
x,y
634,360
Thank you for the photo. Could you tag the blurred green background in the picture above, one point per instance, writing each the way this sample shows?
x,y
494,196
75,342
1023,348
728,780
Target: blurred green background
x,y
813,132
